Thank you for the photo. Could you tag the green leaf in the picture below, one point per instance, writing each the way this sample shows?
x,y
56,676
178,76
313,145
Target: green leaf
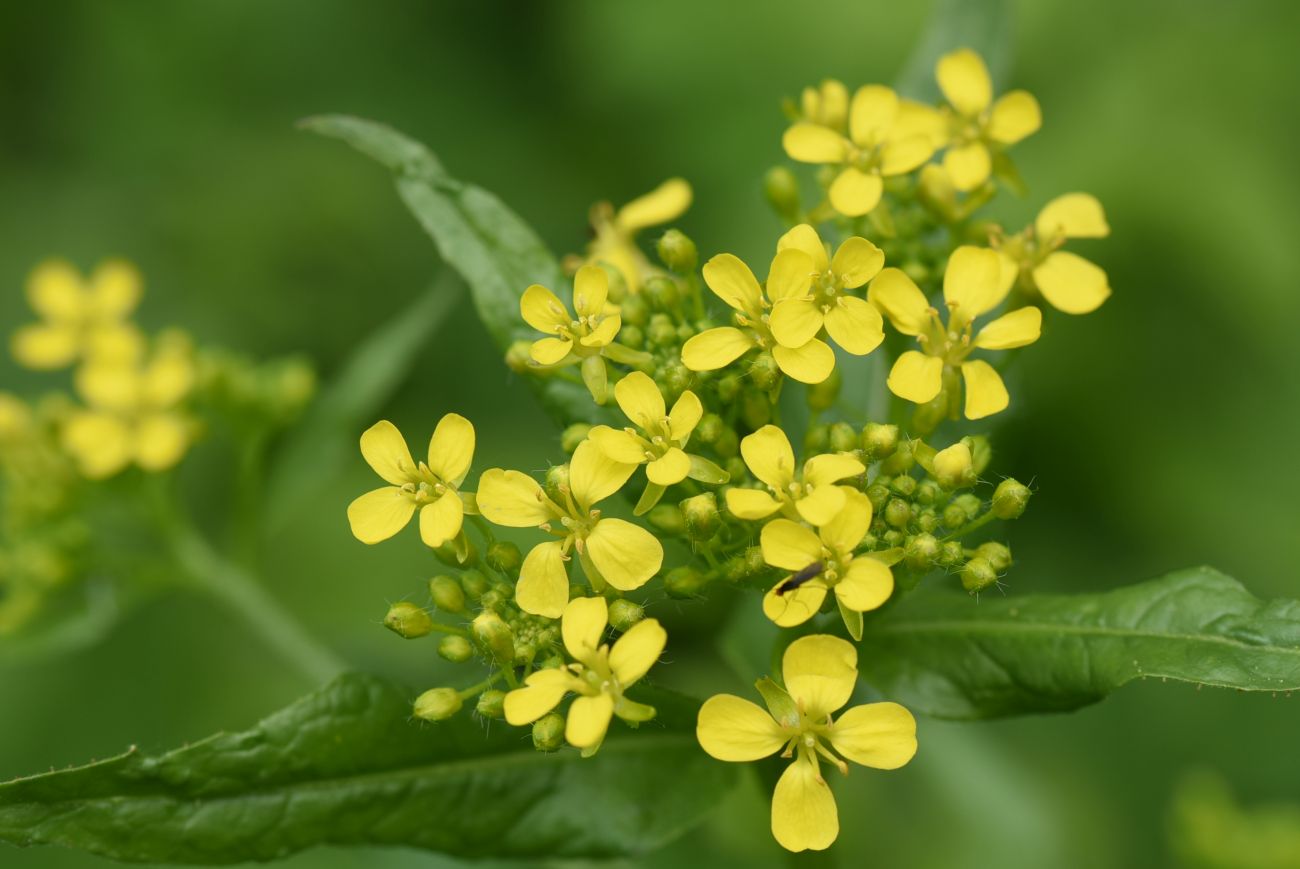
x,y
946,655
494,250
984,25
347,766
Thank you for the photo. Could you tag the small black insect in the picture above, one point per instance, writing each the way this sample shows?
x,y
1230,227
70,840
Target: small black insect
x,y
795,580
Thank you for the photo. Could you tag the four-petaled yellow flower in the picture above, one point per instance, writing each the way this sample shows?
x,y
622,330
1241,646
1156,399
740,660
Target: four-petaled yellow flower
x,y
599,675
851,321
824,561
820,674
877,146
813,496
132,413
432,486
1067,281
826,105
79,319
661,440
978,127
614,240
610,550
810,361
972,286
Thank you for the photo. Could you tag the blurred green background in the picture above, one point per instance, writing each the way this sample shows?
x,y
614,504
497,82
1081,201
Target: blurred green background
x,y
1159,432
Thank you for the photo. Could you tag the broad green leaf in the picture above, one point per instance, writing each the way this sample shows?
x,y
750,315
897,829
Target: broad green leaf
x,y
347,766
496,253
946,655
984,25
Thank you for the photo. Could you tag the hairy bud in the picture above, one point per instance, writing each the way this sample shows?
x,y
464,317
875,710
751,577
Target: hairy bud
x,y
1010,499
437,704
677,251
408,620
455,648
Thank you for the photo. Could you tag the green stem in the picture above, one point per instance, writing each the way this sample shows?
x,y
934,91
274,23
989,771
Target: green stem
x,y
448,629
973,525
484,528
475,690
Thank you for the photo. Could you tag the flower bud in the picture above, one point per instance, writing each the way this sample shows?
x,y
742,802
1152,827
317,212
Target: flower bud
x,y
548,732
1010,499
765,371
927,520
495,636
822,396
437,704
735,467
661,332
755,409
898,512
878,495
408,620
710,428
683,582
817,439
953,467
474,583
674,379
978,574
574,435
951,554
661,292
843,439
921,553
505,558
996,554
519,358
928,492
781,189
460,552
728,446
493,599
447,593
903,485
667,518
455,648
970,505
491,704
728,388
893,537
701,515
677,251
981,452
879,441
623,614
557,483
633,311
900,460
632,336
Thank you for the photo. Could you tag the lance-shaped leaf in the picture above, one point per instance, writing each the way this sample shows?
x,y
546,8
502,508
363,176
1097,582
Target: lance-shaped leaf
x,y
347,766
946,655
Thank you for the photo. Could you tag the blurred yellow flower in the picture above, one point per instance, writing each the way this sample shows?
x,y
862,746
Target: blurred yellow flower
x,y
826,105
79,318
978,127
599,675
610,550
820,673
432,486
614,241
812,496
972,286
1067,281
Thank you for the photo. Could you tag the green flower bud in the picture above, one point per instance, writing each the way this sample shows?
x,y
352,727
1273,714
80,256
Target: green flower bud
x,y
450,553
677,252
474,583
878,495
661,292
996,554
685,332
710,428
701,515
893,537
519,358
493,599
728,388
929,492
927,520
437,704
969,504
728,446
822,396
408,620
921,553
683,582
951,554
898,512
900,460
455,648
954,516
981,452
623,614
505,558
661,332
879,441
632,336
765,371
574,435
953,468
495,635
634,311
843,439
675,379
977,575
1010,499
904,485
735,467
755,409
781,189
817,439
548,732
557,483
447,593
667,518
491,704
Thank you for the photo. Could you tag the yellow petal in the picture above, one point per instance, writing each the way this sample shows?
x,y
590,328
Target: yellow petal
x,y
512,499
1073,215
583,625
621,446
666,202
831,468
916,377
821,504
590,290
715,348
168,378
1071,283
856,261
734,729
821,672
379,514
751,503
789,545
790,275
594,476
110,385
115,289
986,394
811,363
854,192
543,310
550,351
441,520
803,810
669,469
901,300
588,720
872,114
880,735
795,322
45,347
850,525
1007,275
964,80
635,652
543,587
384,449
54,290
794,607
813,143
543,692
640,400
768,454
626,555
805,238
684,416
1015,115
905,154
1017,329
451,449
867,584
968,166
918,119
855,325
160,441
733,282
605,332
973,281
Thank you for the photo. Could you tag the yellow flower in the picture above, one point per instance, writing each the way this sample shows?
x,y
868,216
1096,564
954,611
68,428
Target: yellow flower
x,y
599,675
813,497
15,416
827,105
432,486
972,286
876,147
132,412
810,361
615,232
659,439
820,674
79,318
852,322
1067,281
979,128
610,550
824,561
